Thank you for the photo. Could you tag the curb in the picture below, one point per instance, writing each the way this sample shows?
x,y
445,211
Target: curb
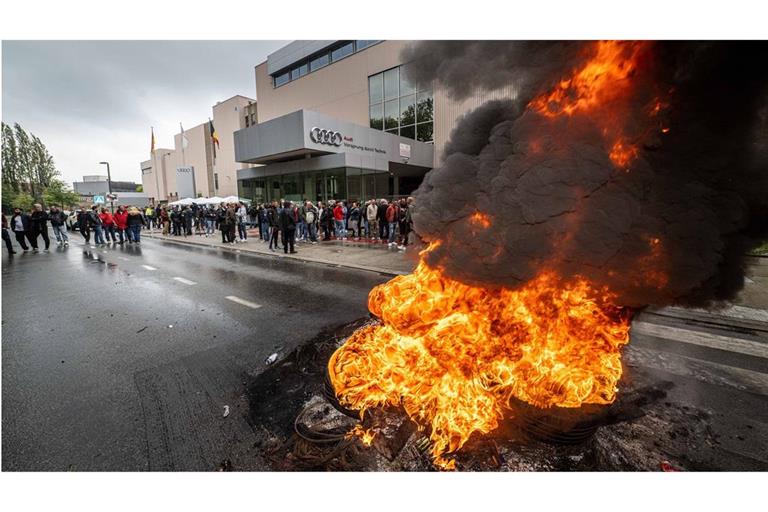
x,y
353,266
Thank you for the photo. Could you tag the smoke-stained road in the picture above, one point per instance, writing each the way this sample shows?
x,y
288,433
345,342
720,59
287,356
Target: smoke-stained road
x,y
95,377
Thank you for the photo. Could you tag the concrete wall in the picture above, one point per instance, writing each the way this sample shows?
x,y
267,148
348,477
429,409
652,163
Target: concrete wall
x,y
339,90
197,155
228,117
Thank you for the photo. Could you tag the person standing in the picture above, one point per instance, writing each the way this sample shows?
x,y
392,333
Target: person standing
x,y
354,220
338,221
274,225
7,237
232,222
381,218
121,224
407,226
165,220
242,216
95,222
135,222
84,224
393,216
310,215
371,214
288,220
264,222
108,225
210,221
59,225
38,225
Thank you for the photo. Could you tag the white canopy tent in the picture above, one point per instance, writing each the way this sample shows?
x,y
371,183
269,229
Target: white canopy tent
x,y
235,199
182,202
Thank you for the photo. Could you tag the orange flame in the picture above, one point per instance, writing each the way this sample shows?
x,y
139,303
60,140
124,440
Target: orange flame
x,y
454,355
622,154
480,219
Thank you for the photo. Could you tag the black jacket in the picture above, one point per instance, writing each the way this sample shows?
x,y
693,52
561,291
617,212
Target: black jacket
x,y
288,219
38,220
135,219
24,221
57,218
381,214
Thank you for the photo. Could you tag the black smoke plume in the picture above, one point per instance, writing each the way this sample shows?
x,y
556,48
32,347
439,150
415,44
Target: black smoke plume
x,y
673,227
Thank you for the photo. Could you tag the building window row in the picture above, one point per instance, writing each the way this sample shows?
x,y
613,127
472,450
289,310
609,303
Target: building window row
x,y
318,61
399,107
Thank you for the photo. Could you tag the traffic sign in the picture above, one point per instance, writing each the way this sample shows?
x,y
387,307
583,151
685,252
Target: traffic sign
x,y
98,200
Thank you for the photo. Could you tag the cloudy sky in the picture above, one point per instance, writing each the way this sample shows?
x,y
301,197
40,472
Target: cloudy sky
x,y
91,101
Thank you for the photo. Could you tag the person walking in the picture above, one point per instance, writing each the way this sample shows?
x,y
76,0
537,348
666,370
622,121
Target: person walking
x,y
95,223
135,222
38,225
108,225
121,224
20,227
288,220
407,225
59,224
84,224
7,237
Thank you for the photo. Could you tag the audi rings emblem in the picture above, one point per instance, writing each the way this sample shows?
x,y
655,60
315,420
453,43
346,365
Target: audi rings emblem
x,y
321,136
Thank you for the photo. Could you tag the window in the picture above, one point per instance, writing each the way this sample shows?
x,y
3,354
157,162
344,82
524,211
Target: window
x,y
375,88
216,181
282,79
360,45
397,106
391,79
391,114
377,116
299,71
319,62
344,51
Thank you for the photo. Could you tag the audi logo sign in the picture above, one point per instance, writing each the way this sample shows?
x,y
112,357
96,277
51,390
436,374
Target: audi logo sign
x,y
322,136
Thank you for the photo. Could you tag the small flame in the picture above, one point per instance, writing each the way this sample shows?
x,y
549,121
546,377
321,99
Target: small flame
x,y
365,435
480,219
623,154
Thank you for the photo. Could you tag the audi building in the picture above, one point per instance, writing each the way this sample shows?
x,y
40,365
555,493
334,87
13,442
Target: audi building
x,y
339,120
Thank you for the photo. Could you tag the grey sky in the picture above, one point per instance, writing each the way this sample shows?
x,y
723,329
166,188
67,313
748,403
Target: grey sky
x,y
91,101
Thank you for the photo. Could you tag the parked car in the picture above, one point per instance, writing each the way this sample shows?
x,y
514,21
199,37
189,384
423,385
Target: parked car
x,y
72,221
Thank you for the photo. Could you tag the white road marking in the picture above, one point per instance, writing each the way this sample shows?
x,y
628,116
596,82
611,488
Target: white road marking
x,y
703,339
243,301
148,267
185,281
123,258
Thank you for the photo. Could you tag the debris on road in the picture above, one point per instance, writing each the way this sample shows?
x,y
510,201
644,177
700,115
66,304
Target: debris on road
x,y
142,329
226,411
271,359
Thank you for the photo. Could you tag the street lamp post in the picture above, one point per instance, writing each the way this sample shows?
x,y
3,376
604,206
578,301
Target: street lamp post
x,y
109,186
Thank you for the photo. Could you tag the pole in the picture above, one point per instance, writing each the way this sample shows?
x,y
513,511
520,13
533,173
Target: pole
x,y
109,187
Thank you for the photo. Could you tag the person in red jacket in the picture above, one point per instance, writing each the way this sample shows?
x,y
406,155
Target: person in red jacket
x,y
121,223
108,224
338,218
393,216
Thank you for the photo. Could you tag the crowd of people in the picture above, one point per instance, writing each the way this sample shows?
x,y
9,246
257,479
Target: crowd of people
x,y
284,223
279,224
28,227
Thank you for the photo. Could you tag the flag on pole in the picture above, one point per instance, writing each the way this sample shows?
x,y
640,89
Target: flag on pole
x,y
152,148
214,137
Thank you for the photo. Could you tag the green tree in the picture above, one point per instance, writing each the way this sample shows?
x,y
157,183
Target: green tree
x,y
57,193
139,188
28,168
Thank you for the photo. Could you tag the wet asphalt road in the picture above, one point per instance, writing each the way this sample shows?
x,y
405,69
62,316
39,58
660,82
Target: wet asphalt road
x,y
123,358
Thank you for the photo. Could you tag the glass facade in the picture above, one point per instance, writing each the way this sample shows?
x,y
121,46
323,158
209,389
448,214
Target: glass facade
x,y
397,106
350,183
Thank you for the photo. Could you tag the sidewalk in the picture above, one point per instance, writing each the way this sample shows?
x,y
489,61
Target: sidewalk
x,y
360,255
